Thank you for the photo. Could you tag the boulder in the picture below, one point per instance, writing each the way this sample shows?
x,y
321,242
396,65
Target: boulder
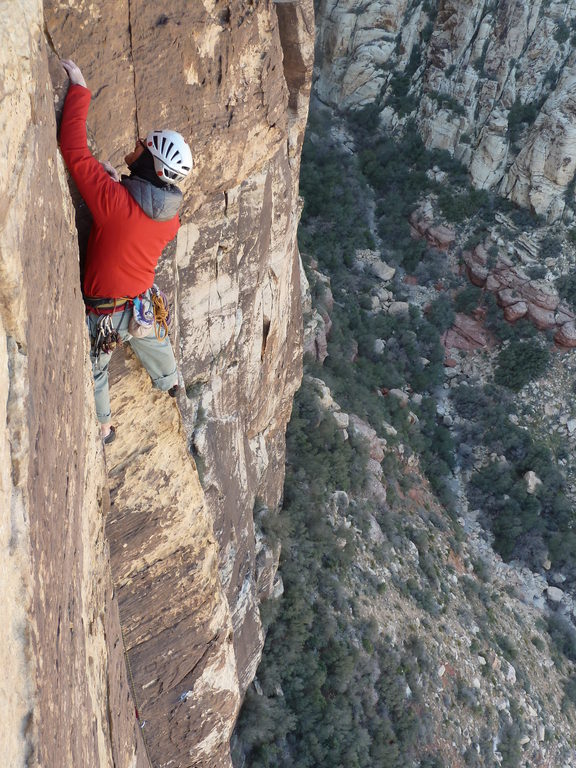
x,y
508,296
341,419
324,395
399,308
379,346
564,315
543,319
371,261
382,271
555,594
514,312
399,394
476,268
315,336
510,674
467,334
541,293
363,430
440,236
566,335
532,481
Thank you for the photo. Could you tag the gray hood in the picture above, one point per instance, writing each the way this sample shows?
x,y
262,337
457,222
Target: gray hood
x,y
159,203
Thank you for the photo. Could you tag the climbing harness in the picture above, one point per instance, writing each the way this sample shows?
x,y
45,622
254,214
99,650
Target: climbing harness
x,y
150,311
108,337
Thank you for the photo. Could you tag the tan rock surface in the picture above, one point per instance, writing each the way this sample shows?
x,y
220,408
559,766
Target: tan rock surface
x,y
236,80
176,622
542,318
516,311
64,687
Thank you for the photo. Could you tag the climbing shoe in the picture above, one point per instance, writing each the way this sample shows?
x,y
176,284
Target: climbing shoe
x,y
173,391
110,437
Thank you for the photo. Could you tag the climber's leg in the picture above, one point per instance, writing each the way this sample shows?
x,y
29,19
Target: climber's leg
x,y
157,356
101,392
100,363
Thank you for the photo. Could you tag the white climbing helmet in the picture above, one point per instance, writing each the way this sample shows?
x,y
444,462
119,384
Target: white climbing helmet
x,y
172,156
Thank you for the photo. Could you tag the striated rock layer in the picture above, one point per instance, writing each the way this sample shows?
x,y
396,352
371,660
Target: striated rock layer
x,y
491,83
176,622
188,567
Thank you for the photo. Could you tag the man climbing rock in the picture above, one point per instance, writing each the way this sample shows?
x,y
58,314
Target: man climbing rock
x,y
133,220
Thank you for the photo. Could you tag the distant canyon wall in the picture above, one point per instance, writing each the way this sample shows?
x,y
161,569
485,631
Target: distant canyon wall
x,y
83,542
494,83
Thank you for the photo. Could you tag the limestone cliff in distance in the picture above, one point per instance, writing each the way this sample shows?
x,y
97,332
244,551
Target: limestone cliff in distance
x,y
82,544
492,83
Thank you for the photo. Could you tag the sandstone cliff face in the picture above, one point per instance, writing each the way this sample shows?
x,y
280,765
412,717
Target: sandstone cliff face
x,y
175,618
492,83
186,570
64,685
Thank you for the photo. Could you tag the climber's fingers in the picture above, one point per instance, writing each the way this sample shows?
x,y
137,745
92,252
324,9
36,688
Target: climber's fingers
x,y
74,72
110,170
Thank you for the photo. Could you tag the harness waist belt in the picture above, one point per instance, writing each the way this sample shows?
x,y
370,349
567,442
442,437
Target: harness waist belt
x,y
106,306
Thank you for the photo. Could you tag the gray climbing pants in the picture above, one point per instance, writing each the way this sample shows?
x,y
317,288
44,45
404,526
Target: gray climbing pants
x,y
156,356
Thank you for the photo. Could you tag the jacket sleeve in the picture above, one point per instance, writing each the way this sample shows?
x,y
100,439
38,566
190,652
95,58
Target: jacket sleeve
x,y
101,194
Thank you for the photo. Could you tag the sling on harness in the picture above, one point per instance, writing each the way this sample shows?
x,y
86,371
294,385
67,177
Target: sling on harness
x,y
150,312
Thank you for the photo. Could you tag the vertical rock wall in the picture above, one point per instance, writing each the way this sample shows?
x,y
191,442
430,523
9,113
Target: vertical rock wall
x,y
175,618
64,691
186,569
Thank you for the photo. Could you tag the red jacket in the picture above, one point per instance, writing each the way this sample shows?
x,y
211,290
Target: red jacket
x,y
124,244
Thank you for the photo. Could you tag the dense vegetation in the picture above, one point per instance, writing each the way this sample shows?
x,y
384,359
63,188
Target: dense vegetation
x,y
526,525
331,691
335,224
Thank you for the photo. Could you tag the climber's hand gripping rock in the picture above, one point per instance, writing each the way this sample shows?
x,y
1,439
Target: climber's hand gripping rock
x,y
73,71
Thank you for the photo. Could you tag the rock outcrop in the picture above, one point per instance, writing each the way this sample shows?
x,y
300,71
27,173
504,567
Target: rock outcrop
x,y
519,296
188,568
494,85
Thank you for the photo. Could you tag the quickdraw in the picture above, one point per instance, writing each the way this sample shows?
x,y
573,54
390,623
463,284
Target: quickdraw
x,y
108,337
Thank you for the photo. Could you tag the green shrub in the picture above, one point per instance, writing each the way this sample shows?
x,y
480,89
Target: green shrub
x,y
458,206
448,102
562,32
521,115
537,642
468,299
441,312
519,363
569,692
550,247
566,287
562,634
508,649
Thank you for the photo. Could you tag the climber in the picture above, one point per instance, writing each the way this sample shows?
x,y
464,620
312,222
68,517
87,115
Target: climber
x,y
133,219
